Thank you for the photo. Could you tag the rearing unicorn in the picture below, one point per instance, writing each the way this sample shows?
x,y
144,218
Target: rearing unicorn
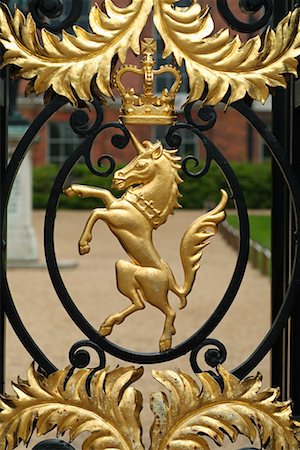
x,y
132,219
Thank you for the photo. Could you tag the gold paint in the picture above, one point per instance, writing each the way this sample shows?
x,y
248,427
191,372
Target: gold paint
x,y
219,61
109,412
148,108
191,415
132,219
70,64
223,62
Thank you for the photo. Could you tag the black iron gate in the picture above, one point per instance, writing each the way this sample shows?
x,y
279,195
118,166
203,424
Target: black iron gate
x,y
283,337
285,364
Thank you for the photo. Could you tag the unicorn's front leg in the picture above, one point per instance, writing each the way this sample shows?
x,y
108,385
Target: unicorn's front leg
x,y
82,191
86,237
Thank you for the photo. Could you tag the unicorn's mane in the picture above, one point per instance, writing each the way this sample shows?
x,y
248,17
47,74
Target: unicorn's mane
x,y
175,194
174,160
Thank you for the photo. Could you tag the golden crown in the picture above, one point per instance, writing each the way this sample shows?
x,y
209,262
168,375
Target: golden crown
x,y
147,107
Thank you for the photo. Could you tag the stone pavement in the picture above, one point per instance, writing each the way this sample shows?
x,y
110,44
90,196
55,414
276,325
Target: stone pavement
x,y
92,286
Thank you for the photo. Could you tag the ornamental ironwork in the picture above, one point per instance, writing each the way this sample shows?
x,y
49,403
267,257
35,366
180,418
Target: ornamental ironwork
x,y
80,67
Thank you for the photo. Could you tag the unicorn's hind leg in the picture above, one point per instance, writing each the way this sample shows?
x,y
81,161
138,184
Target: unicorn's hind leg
x,y
165,341
128,286
154,284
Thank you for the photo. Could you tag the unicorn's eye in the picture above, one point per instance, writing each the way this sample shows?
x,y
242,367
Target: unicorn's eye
x,y
141,164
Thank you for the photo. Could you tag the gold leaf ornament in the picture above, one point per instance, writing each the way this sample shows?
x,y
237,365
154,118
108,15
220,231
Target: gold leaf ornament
x,y
105,405
225,63
189,416
68,65
109,412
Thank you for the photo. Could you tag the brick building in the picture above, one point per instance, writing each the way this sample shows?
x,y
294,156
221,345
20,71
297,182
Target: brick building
x,y
57,140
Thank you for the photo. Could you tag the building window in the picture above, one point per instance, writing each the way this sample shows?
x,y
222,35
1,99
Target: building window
x,y
166,80
189,143
62,142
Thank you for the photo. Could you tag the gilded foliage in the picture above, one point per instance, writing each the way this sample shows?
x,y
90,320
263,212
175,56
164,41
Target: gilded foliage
x,y
69,65
190,416
224,62
110,412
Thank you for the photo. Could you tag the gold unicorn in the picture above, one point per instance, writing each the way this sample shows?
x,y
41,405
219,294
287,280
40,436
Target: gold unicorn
x,y
151,181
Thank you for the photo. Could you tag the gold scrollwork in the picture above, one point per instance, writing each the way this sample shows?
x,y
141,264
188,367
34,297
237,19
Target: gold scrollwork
x,y
70,65
105,405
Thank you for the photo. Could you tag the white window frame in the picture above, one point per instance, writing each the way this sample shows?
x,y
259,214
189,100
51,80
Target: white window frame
x,y
66,136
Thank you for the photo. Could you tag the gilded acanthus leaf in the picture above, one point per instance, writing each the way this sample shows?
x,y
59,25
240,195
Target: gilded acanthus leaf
x,y
109,412
190,416
224,63
69,65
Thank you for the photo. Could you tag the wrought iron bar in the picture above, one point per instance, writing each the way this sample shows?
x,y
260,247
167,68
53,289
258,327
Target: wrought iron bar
x,y
284,309
295,319
3,164
7,183
53,444
248,7
281,221
53,9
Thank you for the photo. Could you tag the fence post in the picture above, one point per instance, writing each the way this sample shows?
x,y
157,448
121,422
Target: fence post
x,y
286,116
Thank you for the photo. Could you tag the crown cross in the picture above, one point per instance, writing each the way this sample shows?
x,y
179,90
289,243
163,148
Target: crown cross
x,y
155,109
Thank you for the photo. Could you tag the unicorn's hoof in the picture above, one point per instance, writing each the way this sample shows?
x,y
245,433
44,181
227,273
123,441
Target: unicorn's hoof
x,y
165,345
105,330
70,192
83,249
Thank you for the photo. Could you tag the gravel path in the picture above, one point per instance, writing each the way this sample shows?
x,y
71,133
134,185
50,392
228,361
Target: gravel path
x,y
92,286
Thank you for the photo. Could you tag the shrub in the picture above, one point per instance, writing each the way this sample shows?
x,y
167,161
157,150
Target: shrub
x,y
255,181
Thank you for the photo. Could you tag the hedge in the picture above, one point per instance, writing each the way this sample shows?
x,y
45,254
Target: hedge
x,y
255,180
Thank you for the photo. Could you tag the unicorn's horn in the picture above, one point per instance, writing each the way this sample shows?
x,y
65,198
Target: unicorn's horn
x,y
138,146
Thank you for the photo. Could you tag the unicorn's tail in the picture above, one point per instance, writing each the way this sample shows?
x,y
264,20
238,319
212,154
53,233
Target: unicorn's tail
x,y
192,244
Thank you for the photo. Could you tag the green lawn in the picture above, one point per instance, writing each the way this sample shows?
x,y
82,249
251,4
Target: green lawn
x,y
260,228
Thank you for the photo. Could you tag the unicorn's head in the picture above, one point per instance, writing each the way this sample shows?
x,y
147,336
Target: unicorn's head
x,y
154,175
152,162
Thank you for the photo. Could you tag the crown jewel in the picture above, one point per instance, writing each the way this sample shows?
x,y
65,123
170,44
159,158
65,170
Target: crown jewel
x,y
155,109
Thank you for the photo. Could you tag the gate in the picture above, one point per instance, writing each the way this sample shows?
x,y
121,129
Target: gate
x,y
73,66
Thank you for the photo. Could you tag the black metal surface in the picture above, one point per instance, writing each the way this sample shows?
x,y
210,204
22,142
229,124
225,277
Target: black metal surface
x,y
53,444
248,7
285,361
79,124
7,183
213,356
288,299
53,9
3,164
79,357
286,214
70,305
295,318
